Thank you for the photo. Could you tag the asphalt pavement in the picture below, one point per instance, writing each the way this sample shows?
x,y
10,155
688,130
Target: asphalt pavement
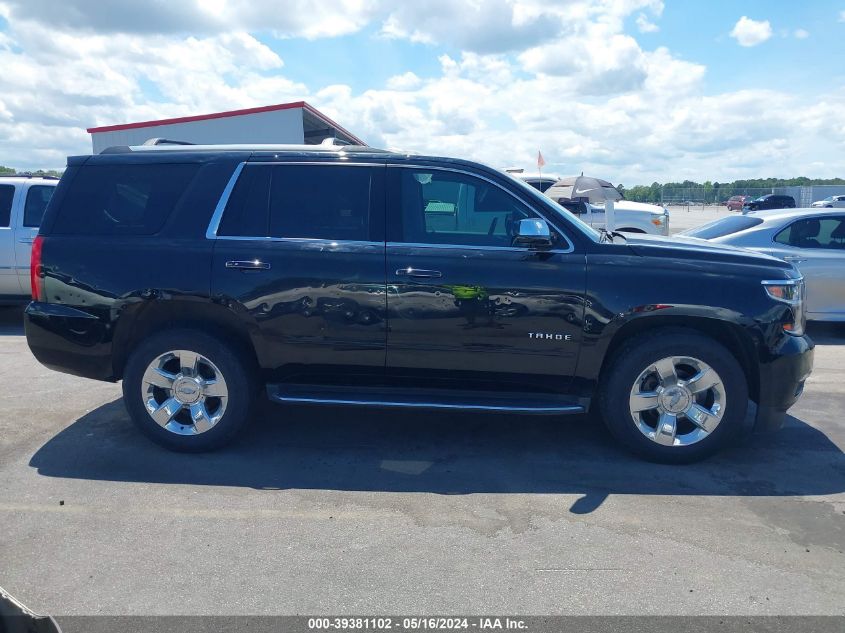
x,y
325,510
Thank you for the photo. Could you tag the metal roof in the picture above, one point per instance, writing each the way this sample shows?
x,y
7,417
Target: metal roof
x,y
230,113
246,147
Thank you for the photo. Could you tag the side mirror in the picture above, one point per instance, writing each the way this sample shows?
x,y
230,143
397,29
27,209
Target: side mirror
x,y
533,233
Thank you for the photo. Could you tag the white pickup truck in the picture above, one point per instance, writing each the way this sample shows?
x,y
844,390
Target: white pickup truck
x,y
629,217
22,203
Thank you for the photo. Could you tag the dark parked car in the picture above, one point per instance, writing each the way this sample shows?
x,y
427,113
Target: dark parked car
x,y
353,276
770,201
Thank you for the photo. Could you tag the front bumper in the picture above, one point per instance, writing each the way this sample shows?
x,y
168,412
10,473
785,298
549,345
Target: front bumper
x,y
782,378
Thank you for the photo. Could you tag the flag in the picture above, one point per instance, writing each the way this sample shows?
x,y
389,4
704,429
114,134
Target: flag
x,y
540,160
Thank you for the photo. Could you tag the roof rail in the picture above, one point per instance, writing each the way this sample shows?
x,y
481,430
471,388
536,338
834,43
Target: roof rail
x,y
165,141
332,141
29,174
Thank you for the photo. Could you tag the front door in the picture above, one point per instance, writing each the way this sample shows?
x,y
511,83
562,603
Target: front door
x,y
463,302
297,252
817,248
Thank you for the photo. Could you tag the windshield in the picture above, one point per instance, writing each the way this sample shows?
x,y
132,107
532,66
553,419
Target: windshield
x,y
549,205
725,226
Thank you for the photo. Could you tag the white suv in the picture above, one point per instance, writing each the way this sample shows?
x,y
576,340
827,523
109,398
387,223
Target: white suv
x,y
22,203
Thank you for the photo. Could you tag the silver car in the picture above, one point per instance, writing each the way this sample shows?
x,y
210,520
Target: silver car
x,y
830,202
812,239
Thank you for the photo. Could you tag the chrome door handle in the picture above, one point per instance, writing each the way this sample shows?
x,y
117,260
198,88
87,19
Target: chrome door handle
x,y
417,272
26,240
252,264
795,259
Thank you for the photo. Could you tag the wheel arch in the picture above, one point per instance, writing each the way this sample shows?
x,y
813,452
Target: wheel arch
x,y
138,321
736,339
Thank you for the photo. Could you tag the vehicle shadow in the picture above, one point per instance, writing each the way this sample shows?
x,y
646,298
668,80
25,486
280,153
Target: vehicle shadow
x,y
292,447
11,320
826,333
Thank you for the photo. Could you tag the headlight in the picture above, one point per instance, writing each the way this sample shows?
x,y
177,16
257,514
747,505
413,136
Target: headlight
x,y
791,292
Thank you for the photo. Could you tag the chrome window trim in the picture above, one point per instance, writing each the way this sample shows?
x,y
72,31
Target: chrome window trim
x,y
300,240
217,216
570,246
475,247
211,231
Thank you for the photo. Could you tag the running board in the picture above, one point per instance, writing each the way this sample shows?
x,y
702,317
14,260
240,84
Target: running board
x,y
524,403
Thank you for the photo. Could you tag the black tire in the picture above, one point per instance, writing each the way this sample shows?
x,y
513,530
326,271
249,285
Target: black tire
x,y
635,356
236,370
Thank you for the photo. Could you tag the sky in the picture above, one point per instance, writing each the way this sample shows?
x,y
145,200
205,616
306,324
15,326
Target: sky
x,y
633,91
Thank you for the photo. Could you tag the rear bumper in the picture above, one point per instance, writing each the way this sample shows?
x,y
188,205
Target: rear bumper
x,y
782,379
69,340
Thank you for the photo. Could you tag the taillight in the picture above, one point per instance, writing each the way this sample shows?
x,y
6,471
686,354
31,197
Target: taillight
x,y
36,279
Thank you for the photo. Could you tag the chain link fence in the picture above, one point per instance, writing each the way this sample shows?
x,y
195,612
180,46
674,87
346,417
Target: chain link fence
x,y
702,196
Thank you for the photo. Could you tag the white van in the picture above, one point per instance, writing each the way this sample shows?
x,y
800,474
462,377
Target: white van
x,y
22,203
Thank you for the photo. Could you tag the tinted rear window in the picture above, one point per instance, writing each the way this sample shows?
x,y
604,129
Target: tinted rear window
x,y
36,201
299,201
122,199
7,193
725,226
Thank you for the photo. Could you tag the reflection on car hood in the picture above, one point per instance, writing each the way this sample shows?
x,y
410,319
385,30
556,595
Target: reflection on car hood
x,y
694,248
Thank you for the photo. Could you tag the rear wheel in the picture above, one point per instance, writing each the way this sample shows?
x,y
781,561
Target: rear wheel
x,y
188,391
674,396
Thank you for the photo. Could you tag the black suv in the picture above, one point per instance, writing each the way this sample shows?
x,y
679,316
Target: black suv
x,y
353,276
770,201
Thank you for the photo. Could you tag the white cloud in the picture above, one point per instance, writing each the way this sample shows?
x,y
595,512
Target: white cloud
x,y
801,34
305,18
842,16
748,32
589,95
645,25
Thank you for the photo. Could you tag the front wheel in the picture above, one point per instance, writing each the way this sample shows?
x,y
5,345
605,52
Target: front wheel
x,y
674,396
188,391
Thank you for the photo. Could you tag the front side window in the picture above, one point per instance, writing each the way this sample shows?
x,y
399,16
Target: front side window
x,y
36,201
442,207
132,199
7,194
329,202
815,233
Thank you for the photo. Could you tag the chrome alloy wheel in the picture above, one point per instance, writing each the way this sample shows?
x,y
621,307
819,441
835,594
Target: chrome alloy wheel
x,y
677,401
184,392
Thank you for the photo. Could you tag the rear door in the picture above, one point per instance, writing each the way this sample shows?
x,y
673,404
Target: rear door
x,y
299,251
35,199
9,284
817,248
